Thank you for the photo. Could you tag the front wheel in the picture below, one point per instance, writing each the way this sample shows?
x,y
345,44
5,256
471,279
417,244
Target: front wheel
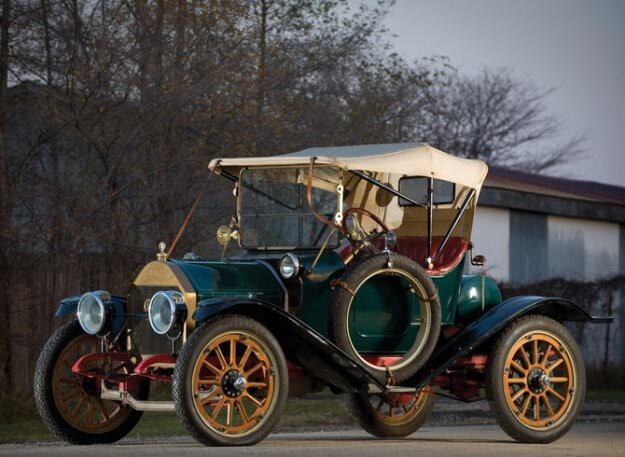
x,y
231,382
69,404
535,380
391,416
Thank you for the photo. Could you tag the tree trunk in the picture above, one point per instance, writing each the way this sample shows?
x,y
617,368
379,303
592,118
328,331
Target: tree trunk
x,y
262,54
5,206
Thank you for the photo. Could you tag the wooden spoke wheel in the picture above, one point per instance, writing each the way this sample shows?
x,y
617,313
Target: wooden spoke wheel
x,y
391,416
230,382
535,380
69,404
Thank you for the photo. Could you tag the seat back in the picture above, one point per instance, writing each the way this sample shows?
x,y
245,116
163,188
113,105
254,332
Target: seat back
x,y
415,247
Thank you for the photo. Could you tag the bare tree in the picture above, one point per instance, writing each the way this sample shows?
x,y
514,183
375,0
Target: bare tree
x,y
117,107
499,118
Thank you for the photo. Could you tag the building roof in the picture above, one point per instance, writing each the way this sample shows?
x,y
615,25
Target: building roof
x,y
415,159
520,181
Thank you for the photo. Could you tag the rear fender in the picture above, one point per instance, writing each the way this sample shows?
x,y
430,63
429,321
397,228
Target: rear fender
x,y
491,323
301,344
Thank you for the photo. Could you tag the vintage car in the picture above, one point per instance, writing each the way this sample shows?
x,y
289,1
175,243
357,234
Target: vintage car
x,y
349,274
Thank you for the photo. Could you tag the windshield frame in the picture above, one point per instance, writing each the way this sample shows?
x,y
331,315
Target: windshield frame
x,y
305,209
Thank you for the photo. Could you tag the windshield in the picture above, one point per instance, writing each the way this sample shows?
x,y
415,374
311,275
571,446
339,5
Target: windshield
x,y
274,212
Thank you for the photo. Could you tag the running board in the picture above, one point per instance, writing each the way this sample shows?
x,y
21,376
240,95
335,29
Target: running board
x,y
139,405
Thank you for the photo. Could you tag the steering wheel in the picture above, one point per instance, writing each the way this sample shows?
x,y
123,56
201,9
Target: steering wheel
x,y
371,236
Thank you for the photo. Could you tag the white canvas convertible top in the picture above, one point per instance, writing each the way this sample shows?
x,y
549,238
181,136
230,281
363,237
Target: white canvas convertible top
x,y
411,159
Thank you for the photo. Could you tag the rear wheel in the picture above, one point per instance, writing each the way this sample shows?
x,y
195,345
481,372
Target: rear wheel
x,y
391,416
387,314
231,382
535,380
69,404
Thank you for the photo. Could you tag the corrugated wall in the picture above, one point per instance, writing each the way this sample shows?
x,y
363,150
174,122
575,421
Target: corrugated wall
x,y
528,246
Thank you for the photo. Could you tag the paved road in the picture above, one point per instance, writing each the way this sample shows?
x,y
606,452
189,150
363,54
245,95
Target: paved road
x,y
595,439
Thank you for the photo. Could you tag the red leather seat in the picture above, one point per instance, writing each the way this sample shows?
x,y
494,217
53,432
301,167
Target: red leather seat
x,y
415,247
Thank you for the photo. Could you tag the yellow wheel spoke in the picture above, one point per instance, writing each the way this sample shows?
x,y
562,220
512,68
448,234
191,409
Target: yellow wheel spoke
x,y
526,361
218,407
555,394
233,352
245,357
536,410
222,359
560,379
242,410
517,367
230,413
545,358
209,397
212,367
254,368
256,384
525,405
547,404
554,365
254,400
517,395
516,381
535,351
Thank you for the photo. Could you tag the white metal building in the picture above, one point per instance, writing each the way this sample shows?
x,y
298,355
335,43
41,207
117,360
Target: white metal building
x,y
533,227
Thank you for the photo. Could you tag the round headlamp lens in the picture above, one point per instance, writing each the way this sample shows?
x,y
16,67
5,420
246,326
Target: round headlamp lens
x,y
161,313
91,313
289,266
167,311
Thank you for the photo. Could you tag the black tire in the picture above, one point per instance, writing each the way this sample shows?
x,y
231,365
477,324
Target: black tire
x,y
58,393
535,380
395,416
206,382
429,329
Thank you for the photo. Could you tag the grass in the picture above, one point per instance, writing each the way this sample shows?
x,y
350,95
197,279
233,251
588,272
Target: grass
x,y
606,394
19,422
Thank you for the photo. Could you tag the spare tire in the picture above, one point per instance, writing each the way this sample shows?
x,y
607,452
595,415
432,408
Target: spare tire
x,y
386,313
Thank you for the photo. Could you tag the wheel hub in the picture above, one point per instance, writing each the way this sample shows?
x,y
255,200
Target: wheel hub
x,y
91,386
233,383
538,380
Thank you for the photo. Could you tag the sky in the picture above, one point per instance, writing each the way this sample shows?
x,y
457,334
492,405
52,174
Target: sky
x,y
575,47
